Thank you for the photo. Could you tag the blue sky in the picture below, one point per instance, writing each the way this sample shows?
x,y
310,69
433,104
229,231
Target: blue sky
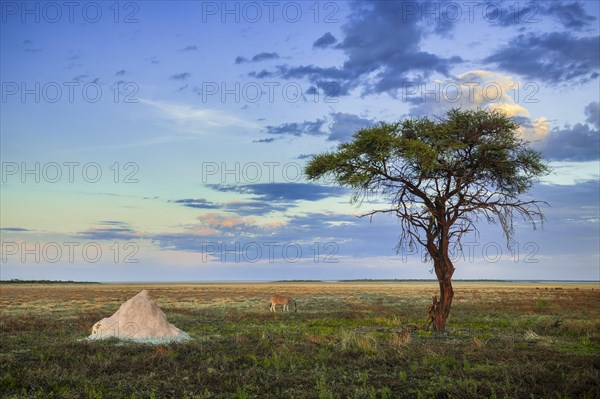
x,y
164,141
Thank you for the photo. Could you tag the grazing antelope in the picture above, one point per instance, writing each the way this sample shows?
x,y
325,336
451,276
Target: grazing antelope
x,y
281,300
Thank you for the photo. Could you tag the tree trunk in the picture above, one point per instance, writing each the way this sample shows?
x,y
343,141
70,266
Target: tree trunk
x,y
444,269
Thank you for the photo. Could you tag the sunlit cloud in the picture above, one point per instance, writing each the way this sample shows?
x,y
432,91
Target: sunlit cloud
x,y
469,90
484,89
537,130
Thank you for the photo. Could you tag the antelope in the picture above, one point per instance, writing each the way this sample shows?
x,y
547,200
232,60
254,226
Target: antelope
x,y
281,300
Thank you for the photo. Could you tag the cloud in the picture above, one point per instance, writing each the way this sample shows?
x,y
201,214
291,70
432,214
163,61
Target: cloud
x,y
257,58
332,81
72,64
341,127
282,192
477,89
312,128
198,120
28,47
181,76
311,237
265,198
571,15
572,205
534,130
189,48
225,222
120,72
265,56
480,89
261,74
375,42
325,41
199,203
258,208
592,111
345,125
214,228
14,229
267,140
382,45
572,143
555,57
571,227
244,208
110,230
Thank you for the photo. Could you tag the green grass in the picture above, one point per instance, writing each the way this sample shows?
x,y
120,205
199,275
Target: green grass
x,y
357,342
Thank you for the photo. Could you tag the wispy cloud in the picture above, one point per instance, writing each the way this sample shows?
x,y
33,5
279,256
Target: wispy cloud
x,y
181,76
189,48
199,203
282,192
341,127
244,208
200,120
267,140
264,56
14,229
110,230
264,198
298,129
28,47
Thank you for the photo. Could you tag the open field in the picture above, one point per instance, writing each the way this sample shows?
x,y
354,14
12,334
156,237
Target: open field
x,y
347,340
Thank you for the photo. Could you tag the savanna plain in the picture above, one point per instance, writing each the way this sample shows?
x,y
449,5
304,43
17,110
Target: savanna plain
x,y
347,340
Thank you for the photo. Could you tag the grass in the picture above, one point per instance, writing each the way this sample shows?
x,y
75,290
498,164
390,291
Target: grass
x,y
347,340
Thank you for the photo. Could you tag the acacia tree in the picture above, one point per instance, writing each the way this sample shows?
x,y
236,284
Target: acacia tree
x,y
441,178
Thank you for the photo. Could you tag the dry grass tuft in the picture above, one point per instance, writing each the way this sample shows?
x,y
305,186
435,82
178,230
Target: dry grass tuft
x,y
401,339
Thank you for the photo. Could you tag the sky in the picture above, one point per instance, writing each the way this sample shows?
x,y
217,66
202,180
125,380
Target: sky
x,y
165,141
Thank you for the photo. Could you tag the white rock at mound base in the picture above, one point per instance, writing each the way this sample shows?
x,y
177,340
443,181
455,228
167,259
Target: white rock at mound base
x,y
138,319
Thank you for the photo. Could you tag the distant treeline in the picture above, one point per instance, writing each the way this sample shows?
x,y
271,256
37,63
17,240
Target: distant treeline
x,y
412,280
383,280
17,281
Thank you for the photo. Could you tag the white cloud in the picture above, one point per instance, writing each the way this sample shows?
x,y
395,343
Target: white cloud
x,y
200,120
